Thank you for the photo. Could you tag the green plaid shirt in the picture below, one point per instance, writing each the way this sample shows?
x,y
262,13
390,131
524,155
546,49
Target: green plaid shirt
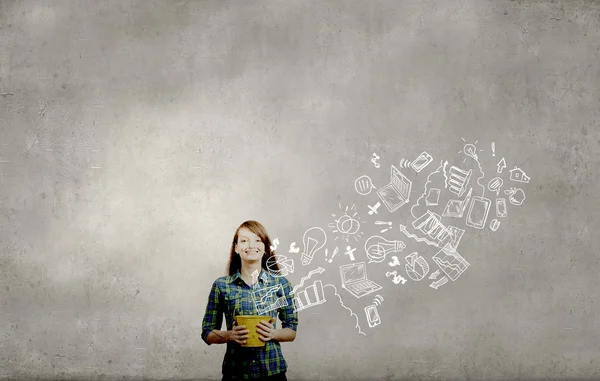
x,y
230,294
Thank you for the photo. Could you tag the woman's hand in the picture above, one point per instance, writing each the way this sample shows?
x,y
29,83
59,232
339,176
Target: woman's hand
x,y
239,333
265,330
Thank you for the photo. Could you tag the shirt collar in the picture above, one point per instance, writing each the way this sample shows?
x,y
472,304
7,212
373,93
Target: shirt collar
x,y
263,277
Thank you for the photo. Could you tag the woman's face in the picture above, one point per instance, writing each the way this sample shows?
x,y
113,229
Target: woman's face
x,y
249,246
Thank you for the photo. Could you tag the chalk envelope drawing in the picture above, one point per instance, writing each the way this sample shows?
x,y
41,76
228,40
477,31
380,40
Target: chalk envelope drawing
x,y
421,161
478,212
309,297
397,192
372,315
456,208
433,196
501,207
355,280
363,185
458,180
517,174
417,267
269,298
450,262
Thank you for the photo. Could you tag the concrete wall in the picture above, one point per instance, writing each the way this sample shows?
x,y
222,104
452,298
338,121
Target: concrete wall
x,y
136,136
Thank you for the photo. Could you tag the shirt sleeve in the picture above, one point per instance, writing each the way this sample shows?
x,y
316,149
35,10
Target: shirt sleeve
x,y
287,314
213,317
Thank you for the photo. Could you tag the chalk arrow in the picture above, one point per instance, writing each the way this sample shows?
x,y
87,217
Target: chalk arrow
x,y
501,165
438,283
319,270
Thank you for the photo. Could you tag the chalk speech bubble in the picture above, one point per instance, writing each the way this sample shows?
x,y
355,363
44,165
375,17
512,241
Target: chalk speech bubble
x,y
363,185
495,184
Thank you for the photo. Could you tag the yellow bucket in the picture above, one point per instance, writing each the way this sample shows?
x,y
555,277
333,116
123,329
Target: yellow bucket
x,y
250,322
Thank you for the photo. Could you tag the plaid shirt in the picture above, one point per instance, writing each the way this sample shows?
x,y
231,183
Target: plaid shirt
x,y
230,294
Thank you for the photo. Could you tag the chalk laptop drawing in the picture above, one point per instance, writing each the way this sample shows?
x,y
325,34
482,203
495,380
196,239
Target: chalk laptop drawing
x,y
354,279
396,193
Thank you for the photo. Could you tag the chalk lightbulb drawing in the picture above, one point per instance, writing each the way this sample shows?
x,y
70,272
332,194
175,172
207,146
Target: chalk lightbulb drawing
x,y
347,225
313,240
378,248
470,150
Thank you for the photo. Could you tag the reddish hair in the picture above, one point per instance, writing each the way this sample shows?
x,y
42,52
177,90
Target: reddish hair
x,y
235,262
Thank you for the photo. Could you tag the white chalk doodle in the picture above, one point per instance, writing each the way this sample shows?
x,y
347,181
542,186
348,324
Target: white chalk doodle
x,y
438,169
450,262
269,298
389,223
494,224
374,160
355,280
417,267
335,251
275,244
319,270
516,196
373,318
456,208
347,225
395,262
458,180
433,196
434,274
493,149
418,239
378,299
293,248
501,207
351,313
397,192
377,248
431,225
421,161
438,283
314,239
373,209
495,184
397,278
501,165
363,185
350,252
478,212
285,265
517,174
457,234
311,296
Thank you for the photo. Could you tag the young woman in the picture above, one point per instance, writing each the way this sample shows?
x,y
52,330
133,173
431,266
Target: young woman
x,y
236,294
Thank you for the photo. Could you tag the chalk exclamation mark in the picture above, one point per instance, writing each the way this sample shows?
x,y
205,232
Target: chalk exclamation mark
x,y
493,149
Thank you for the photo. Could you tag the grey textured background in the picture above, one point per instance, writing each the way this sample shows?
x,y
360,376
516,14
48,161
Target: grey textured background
x,y
136,136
